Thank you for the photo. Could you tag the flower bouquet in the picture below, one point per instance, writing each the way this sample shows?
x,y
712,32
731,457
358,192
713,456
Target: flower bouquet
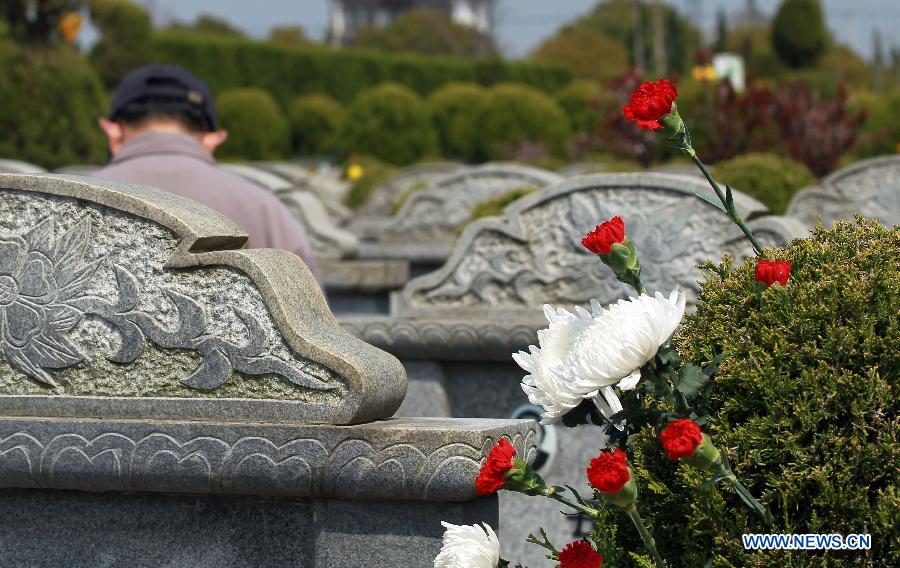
x,y
615,368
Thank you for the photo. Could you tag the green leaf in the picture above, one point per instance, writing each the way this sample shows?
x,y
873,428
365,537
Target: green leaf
x,y
711,202
690,380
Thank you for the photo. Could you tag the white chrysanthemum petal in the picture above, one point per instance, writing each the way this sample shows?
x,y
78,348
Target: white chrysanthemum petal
x,y
468,546
579,354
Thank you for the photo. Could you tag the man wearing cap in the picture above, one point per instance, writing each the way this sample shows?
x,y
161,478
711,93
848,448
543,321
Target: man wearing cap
x,y
162,132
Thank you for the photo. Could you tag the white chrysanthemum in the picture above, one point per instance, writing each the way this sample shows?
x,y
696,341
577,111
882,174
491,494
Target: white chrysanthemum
x,y
584,356
543,384
468,546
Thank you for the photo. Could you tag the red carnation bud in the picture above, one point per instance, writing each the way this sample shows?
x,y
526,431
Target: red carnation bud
x,y
605,235
609,472
651,102
681,438
492,476
580,554
769,272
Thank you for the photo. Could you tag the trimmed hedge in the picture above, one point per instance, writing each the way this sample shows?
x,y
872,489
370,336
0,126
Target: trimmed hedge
x,y
579,100
288,71
767,177
389,122
805,404
516,114
257,129
456,112
51,99
316,122
125,41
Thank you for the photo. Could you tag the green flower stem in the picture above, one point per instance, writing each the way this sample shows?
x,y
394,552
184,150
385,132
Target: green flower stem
x,y
729,208
649,543
745,494
589,511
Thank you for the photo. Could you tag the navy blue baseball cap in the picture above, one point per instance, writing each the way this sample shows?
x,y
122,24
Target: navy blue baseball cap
x,y
168,81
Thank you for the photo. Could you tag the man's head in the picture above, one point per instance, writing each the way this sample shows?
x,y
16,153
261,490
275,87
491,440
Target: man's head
x,y
162,98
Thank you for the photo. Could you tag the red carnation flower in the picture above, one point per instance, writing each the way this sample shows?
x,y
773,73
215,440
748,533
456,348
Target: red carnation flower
x,y
609,471
579,554
769,272
605,235
493,473
650,102
681,438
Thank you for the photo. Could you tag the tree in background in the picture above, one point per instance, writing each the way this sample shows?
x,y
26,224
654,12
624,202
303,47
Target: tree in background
x,y
125,39
616,19
427,31
799,35
36,22
206,24
288,35
588,54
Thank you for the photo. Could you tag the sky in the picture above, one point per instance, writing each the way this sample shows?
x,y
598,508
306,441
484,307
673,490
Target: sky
x,y
522,24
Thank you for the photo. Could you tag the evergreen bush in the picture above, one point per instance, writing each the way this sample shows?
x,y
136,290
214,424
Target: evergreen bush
x,y
456,111
126,34
804,403
516,115
799,35
767,177
316,122
257,129
580,101
389,122
374,172
51,99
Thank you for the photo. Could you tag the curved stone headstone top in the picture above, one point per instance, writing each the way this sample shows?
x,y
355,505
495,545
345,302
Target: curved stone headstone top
x,y
509,266
76,170
432,215
330,190
385,195
327,239
20,167
870,188
120,292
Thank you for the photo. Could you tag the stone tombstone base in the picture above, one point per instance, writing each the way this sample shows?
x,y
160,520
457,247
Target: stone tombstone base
x,y
49,529
82,492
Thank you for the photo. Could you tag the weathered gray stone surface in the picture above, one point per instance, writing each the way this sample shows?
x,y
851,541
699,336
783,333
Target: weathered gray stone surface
x,y
19,167
329,189
385,195
533,255
870,188
51,529
328,240
362,286
110,290
403,459
432,215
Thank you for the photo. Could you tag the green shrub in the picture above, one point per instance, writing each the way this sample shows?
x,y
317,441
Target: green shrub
x,y
805,403
456,111
767,177
288,71
799,34
880,133
588,54
495,205
125,39
516,114
257,129
424,30
391,123
374,172
316,122
51,99
578,100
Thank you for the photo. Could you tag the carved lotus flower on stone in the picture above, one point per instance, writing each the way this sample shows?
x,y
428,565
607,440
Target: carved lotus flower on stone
x,y
38,277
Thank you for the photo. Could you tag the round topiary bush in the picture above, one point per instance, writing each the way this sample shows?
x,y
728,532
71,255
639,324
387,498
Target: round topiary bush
x,y
804,404
316,122
257,129
126,38
579,100
374,172
456,111
767,177
391,123
51,99
517,115
799,34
